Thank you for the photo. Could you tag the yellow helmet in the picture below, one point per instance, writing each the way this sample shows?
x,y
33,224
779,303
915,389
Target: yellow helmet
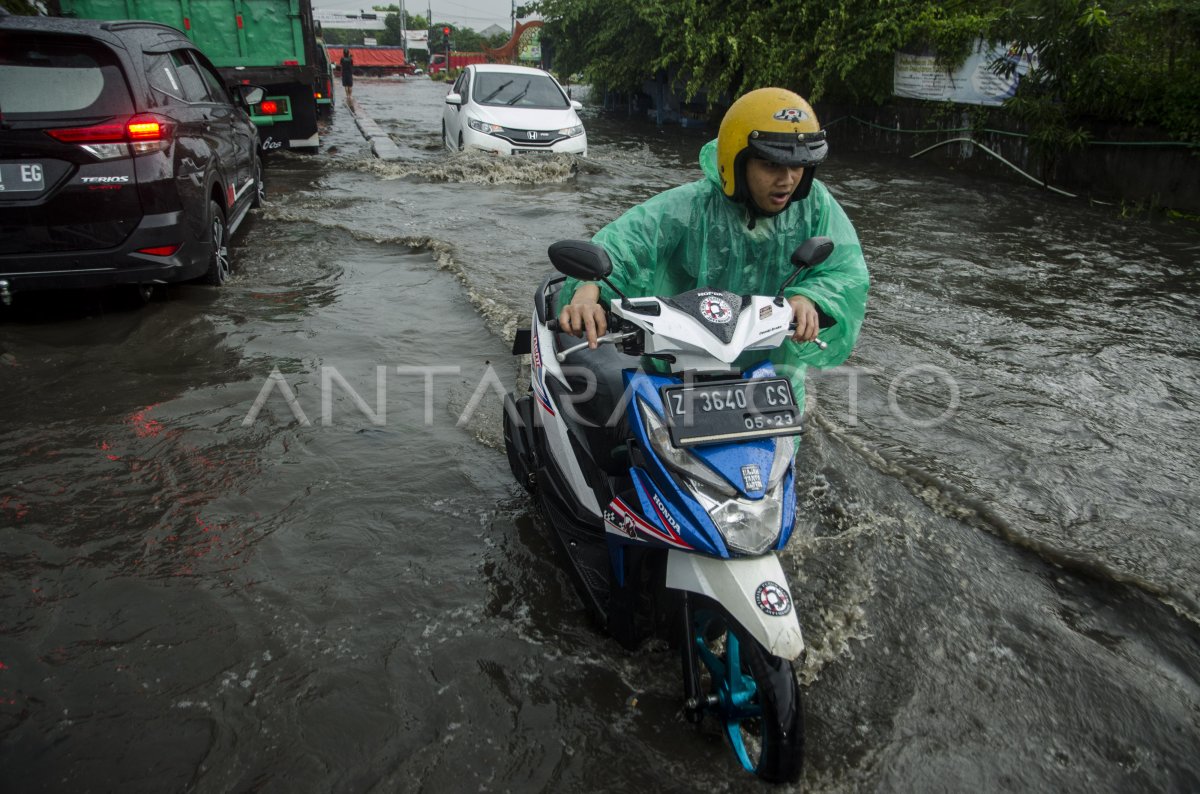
x,y
776,125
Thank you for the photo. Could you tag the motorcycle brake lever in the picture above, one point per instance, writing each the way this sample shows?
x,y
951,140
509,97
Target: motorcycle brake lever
x,y
611,339
817,342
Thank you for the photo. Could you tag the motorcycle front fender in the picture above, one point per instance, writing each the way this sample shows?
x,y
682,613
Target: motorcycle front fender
x,y
752,589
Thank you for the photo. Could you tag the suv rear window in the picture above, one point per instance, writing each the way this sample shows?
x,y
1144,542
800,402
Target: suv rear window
x,y
60,79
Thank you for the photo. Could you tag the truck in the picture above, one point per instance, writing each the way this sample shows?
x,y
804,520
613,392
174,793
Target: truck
x,y
272,44
437,61
374,61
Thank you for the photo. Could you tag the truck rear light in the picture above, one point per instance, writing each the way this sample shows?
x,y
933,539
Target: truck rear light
x,y
269,107
146,132
160,250
291,62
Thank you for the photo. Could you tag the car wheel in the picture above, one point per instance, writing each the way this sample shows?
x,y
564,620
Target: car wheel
x,y
218,258
260,189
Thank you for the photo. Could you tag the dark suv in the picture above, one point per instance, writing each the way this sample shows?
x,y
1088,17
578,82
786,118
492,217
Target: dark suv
x,y
124,159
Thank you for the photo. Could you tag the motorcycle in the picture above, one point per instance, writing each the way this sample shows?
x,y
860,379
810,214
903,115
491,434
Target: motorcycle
x,y
670,487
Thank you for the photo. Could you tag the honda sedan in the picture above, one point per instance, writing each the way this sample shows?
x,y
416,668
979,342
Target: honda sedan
x,y
511,110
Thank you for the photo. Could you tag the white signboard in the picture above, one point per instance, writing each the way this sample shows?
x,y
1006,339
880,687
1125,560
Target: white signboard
x,y
973,83
337,20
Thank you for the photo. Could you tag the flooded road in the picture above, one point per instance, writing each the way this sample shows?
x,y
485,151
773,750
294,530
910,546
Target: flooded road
x,y
265,538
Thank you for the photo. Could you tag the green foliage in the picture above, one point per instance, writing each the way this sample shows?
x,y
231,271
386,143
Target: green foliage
x,y
19,7
1123,61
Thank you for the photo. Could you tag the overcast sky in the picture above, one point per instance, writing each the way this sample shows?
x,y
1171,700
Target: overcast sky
x,y
474,14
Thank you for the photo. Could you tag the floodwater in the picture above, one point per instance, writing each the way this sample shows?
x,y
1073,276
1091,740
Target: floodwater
x,y
265,538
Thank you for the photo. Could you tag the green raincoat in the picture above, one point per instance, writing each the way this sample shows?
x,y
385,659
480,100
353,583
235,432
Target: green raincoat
x,y
693,236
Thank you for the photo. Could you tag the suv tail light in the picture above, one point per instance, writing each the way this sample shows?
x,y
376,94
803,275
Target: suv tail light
x,y
144,133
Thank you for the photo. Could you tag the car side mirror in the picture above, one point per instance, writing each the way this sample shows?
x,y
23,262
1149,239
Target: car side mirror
x,y
576,104
454,98
251,94
579,259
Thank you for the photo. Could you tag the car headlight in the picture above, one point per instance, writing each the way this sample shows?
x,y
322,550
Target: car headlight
x,y
749,526
572,132
484,127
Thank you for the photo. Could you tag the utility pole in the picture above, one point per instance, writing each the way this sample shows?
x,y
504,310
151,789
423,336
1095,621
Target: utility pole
x,y
403,32
514,18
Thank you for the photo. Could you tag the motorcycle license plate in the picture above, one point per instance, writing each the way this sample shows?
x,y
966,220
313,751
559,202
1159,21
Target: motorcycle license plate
x,y
21,178
727,411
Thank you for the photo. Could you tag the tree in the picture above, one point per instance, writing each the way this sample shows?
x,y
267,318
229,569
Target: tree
x,y
1132,61
20,7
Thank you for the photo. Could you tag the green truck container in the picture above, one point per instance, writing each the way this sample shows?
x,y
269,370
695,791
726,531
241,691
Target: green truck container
x,y
269,43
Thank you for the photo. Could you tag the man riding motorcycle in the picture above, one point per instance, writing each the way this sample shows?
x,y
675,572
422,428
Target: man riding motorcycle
x,y
736,230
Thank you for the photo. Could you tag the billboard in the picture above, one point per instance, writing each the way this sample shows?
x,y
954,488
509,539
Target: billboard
x,y
918,76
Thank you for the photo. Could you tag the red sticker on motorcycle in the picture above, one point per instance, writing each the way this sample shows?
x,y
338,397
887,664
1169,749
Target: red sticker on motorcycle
x,y
773,599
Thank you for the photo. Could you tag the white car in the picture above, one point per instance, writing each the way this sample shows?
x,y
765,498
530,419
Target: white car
x,y
511,110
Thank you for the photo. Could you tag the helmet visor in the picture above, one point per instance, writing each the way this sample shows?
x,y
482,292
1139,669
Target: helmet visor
x,y
804,149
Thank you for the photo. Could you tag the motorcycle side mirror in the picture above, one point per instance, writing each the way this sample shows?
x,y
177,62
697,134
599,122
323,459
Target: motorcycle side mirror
x,y
809,253
579,259
812,252
584,261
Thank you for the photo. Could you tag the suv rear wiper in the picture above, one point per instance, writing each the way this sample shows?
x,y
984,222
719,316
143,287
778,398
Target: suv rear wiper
x,y
519,96
503,86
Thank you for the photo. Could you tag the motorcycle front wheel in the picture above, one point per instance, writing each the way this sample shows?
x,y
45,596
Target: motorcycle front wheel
x,y
753,694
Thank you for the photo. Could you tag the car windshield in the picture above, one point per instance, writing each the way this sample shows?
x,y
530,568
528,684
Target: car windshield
x,y
57,79
519,90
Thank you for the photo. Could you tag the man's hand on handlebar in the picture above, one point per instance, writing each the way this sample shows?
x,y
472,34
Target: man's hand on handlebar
x,y
584,316
807,320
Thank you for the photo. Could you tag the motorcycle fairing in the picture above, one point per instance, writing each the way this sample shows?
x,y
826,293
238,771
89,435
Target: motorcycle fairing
x,y
735,584
624,524
728,459
789,509
539,375
549,416
674,504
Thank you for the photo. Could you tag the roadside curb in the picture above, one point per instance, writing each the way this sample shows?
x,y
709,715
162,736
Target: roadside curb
x,y
381,145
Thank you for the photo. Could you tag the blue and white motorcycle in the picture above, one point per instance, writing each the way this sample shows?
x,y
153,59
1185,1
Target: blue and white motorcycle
x,y
670,494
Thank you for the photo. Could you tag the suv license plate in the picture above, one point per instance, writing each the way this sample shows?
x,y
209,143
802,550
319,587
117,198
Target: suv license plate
x,y
728,411
21,178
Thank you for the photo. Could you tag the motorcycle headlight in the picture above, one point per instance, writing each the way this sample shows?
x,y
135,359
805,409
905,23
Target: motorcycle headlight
x,y
681,460
572,132
749,526
484,127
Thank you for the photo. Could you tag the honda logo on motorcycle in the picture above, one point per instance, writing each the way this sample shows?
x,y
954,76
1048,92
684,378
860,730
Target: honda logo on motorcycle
x,y
773,599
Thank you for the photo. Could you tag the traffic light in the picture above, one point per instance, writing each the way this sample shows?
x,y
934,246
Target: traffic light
x,y
446,36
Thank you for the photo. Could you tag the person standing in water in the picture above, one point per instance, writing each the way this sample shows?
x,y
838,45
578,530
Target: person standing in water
x,y
347,73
